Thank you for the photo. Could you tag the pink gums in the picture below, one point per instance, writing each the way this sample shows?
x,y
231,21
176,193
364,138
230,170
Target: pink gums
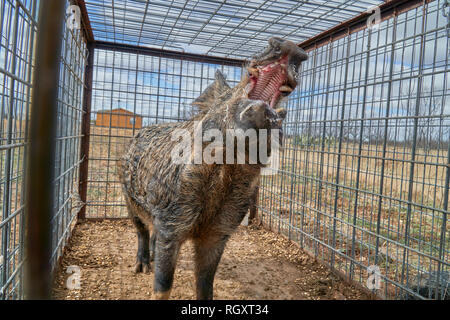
x,y
267,86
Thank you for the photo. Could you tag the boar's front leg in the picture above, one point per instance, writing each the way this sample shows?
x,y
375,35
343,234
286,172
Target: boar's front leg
x,y
143,252
207,257
166,254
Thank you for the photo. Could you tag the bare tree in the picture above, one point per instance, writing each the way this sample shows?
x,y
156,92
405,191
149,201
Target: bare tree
x,y
431,129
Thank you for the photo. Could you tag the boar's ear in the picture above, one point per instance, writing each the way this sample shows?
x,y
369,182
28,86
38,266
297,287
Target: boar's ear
x,y
221,83
214,90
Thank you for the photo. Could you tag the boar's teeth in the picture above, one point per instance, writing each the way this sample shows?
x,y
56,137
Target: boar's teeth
x,y
286,89
253,71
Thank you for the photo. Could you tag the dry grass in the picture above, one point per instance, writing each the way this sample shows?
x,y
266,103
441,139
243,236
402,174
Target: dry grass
x,y
330,217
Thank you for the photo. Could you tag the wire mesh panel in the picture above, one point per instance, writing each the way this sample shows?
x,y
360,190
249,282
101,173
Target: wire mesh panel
x,y
18,30
18,24
68,136
131,91
231,28
364,179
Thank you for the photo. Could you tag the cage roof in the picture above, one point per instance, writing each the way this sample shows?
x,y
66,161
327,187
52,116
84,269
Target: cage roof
x,y
223,28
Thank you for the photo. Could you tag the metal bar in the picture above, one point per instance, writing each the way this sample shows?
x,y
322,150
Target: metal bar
x,y
308,149
341,138
179,90
158,94
386,128
136,71
294,194
86,129
41,168
168,54
361,137
115,54
414,147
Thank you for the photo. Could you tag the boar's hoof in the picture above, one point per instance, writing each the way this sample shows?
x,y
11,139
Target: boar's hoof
x,y
161,295
142,268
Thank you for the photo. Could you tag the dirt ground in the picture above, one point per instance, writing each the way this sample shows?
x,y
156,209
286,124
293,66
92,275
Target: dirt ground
x,y
257,264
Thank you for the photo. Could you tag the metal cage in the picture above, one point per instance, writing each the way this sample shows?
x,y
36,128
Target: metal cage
x,y
363,184
18,23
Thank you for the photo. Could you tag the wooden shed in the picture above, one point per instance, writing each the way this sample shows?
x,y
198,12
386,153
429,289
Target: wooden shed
x,y
118,118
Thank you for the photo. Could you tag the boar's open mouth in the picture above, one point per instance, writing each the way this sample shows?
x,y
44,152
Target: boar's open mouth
x,y
269,83
272,74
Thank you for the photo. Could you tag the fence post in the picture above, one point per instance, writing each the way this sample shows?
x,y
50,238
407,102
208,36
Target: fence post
x,y
41,170
86,129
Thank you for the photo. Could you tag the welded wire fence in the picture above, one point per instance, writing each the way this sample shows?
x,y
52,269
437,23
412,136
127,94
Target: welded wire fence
x,y
229,28
71,87
364,173
18,29
364,179
130,91
18,24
